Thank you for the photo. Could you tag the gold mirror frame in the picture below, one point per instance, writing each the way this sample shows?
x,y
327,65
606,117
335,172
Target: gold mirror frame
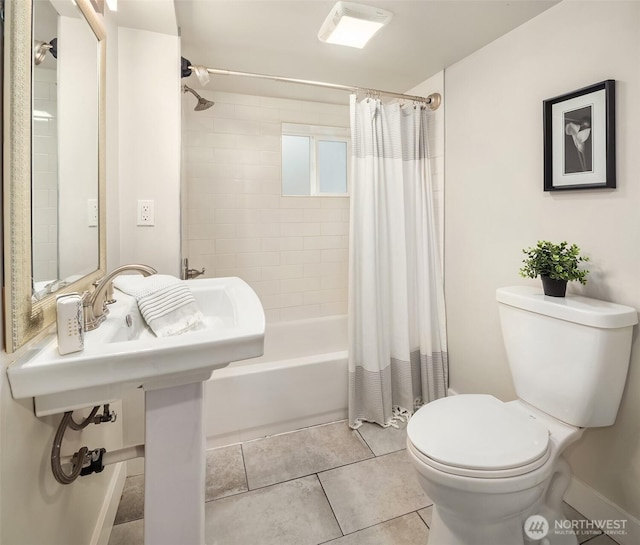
x,y
25,318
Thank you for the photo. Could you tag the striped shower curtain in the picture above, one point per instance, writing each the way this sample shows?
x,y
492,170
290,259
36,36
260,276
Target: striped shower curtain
x,y
397,336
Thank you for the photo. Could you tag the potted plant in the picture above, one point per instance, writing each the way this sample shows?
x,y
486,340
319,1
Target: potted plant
x,y
556,264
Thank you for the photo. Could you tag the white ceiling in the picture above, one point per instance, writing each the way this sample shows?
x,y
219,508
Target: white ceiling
x,y
280,38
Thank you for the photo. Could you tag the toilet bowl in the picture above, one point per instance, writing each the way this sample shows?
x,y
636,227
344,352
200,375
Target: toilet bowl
x,y
488,465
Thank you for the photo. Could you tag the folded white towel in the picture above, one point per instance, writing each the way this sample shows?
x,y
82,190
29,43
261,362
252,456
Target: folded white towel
x,y
165,302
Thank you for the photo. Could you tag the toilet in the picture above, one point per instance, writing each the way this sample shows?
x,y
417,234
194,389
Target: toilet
x,y
494,470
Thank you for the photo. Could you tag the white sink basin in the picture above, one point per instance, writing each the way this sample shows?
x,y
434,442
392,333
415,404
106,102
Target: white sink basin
x,y
118,356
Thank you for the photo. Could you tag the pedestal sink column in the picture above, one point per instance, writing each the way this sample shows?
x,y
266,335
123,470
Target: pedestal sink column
x,y
175,466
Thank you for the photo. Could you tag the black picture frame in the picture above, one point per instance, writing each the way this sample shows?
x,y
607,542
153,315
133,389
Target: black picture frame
x,y
580,139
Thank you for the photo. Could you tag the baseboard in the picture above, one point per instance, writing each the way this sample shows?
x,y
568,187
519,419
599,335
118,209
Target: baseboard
x,y
596,507
287,426
107,514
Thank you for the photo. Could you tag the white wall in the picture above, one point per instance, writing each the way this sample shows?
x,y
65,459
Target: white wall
x,y
149,147
495,205
291,250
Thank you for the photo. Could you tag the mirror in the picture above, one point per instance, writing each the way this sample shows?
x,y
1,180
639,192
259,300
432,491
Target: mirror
x,y
64,144
54,158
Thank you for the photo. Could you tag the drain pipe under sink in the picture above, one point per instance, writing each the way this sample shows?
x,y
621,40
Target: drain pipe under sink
x,y
84,461
114,456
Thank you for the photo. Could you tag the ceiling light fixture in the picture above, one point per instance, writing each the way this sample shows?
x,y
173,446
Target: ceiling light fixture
x,y
352,24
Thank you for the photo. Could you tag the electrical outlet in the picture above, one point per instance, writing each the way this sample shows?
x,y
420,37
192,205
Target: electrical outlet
x,y
92,212
146,213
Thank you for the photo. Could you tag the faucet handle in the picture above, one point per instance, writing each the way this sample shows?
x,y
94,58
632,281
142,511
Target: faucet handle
x,y
86,298
108,294
109,299
193,273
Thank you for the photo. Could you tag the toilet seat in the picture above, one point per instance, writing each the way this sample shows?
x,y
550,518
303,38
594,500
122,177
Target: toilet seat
x,y
478,436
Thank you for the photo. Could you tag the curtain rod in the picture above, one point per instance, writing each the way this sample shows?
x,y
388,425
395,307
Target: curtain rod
x,y
432,101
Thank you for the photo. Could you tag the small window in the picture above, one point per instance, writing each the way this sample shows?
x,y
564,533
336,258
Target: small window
x,y
315,160
296,165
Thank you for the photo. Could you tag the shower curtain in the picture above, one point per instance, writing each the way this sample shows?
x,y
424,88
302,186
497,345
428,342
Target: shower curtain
x,y
397,336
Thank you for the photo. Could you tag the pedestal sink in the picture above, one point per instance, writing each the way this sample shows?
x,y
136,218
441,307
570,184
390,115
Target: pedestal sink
x,y
123,353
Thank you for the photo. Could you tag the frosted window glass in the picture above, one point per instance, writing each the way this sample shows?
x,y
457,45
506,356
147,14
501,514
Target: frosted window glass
x,y
295,165
332,166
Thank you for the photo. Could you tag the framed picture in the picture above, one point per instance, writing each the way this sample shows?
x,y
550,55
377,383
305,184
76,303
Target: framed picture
x,y
580,139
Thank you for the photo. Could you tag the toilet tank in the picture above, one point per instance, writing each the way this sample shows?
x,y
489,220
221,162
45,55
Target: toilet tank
x,y
568,355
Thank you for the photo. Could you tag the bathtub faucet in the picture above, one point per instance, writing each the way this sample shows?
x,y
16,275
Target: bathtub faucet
x,y
187,273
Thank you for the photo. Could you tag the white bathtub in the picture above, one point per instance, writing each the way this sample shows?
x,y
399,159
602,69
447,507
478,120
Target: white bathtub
x,y
301,380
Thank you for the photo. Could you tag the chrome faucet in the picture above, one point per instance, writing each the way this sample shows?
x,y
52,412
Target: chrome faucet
x,y
94,304
187,273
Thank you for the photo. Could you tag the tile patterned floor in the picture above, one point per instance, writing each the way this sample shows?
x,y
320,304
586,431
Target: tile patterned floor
x,y
322,485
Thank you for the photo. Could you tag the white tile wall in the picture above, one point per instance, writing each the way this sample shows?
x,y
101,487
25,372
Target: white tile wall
x,y
291,250
45,176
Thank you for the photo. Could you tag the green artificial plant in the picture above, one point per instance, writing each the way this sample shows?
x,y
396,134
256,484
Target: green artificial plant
x,y
557,261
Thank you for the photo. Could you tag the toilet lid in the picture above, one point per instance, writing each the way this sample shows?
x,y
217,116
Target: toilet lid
x,y
477,432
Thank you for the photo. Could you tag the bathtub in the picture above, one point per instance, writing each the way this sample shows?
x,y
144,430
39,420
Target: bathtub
x,y
301,380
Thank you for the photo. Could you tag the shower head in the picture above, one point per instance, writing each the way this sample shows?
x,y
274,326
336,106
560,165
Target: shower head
x,y
40,50
203,103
